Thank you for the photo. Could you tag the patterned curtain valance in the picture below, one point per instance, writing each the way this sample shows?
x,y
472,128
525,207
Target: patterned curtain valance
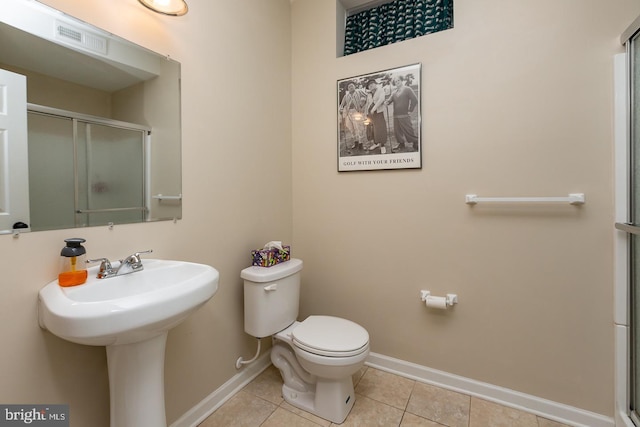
x,y
396,21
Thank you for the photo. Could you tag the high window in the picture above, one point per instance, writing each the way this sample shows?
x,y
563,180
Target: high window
x,y
395,21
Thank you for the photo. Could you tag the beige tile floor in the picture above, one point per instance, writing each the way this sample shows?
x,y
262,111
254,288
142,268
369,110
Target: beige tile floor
x,y
382,399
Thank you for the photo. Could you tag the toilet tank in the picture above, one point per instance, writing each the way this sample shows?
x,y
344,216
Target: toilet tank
x,y
271,297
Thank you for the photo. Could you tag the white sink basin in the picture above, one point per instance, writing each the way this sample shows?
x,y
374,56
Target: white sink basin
x,y
130,315
128,308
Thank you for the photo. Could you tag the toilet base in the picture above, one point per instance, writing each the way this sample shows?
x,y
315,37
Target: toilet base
x,y
331,400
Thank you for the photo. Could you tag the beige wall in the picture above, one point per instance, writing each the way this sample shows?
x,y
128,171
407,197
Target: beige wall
x,y
52,92
153,103
516,101
237,195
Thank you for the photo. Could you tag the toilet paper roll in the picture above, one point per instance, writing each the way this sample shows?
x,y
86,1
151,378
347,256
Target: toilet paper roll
x,y
436,302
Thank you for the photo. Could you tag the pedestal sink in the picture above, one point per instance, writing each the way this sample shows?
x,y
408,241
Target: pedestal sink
x,y
130,315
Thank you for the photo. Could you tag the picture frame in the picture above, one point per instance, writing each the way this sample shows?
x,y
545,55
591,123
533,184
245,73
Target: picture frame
x,y
379,120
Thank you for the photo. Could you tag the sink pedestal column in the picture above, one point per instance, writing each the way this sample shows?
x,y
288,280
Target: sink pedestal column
x,y
136,383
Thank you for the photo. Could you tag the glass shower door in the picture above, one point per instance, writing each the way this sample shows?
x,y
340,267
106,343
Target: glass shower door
x,y
85,173
51,172
111,169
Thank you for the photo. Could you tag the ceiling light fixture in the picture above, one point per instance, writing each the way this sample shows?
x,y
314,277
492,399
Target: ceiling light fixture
x,y
167,7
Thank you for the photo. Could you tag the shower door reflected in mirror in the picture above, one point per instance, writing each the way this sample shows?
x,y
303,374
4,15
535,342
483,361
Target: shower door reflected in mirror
x,y
95,172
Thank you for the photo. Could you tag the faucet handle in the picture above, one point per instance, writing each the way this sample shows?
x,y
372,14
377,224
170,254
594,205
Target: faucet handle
x,y
136,256
105,267
134,260
104,262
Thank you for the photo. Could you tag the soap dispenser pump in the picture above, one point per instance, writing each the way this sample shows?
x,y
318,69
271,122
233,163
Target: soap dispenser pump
x,y
73,260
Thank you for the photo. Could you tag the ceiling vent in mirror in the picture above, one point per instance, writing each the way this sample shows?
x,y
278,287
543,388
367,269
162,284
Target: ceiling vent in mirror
x,y
81,38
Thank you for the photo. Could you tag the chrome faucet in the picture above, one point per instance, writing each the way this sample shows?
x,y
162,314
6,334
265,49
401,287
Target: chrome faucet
x,y
130,264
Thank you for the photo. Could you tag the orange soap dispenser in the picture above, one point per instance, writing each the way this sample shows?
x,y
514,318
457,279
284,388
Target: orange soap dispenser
x,y
73,261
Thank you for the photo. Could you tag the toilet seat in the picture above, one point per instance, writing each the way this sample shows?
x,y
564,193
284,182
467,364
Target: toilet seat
x,y
330,336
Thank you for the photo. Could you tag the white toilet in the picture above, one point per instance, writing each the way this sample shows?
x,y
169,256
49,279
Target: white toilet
x,y
317,356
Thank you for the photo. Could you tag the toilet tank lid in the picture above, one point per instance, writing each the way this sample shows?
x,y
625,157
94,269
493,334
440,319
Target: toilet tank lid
x,y
269,274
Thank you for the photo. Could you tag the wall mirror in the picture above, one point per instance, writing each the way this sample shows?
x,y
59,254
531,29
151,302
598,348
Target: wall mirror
x,y
89,125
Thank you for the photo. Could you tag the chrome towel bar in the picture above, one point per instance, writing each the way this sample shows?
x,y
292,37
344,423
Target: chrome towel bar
x,y
163,197
90,211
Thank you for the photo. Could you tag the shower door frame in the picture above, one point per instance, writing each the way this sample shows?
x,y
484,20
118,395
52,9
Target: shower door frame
x,y
94,120
627,235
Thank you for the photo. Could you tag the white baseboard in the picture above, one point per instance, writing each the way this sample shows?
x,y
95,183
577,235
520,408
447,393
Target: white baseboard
x,y
545,408
209,404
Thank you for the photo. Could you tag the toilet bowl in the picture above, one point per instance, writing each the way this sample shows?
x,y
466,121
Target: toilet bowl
x,y
316,357
317,374
330,347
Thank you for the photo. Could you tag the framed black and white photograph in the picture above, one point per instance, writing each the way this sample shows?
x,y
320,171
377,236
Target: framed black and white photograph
x,y
379,120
